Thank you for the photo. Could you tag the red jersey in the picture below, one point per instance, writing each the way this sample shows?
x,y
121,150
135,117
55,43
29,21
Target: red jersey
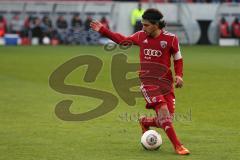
x,y
156,50
236,29
224,30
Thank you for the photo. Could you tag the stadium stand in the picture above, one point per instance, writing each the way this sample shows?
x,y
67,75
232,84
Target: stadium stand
x,y
7,7
39,8
62,8
29,15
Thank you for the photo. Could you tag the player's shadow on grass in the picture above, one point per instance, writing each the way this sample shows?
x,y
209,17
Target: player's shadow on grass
x,y
161,152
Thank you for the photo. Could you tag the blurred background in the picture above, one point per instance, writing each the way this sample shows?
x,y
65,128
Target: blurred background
x,y
54,22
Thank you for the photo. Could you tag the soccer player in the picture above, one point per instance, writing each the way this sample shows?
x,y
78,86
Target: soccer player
x,y
157,46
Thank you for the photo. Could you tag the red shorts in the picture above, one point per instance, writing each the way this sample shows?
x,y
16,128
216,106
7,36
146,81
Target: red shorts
x,y
154,100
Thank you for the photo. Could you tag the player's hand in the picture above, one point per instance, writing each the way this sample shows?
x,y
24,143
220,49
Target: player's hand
x,y
178,82
96,25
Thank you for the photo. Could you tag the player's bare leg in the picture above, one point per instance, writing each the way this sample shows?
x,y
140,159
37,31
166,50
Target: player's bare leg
x,y
164,120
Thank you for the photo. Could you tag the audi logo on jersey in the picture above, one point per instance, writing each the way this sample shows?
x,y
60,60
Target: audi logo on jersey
x,y
152,52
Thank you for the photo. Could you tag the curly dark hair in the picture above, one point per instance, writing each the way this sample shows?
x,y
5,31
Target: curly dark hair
x,y
154,16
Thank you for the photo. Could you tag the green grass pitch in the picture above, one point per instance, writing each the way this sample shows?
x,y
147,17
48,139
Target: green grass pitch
x,y
208,108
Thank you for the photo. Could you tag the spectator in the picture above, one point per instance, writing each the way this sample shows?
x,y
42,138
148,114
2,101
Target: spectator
x,y
105,22
37,31
26,27
87,23
62,27
29,22
224,28
136,17
16,25
47,26
76,22
236,28
3,26
62,23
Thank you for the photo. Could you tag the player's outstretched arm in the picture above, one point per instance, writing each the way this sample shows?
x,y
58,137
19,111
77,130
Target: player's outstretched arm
x,y
96,25
116,37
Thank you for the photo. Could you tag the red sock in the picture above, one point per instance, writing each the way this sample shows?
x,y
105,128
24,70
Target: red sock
x,y
169,130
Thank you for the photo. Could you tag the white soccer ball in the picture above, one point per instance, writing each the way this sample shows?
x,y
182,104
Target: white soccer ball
x,y
151,140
